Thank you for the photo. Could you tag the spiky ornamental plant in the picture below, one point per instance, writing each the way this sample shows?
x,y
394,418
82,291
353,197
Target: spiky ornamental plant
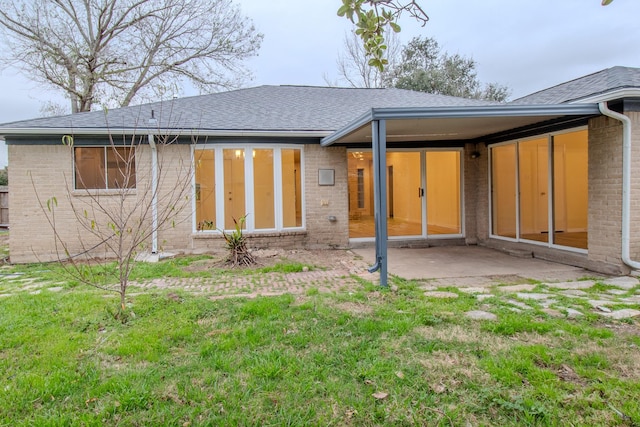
x,y
239,254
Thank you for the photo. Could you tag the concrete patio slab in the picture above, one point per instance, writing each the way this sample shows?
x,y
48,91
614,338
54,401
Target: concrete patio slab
x,y
483,265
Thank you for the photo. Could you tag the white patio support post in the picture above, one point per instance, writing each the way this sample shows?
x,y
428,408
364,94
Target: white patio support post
x,y
379,136
154,194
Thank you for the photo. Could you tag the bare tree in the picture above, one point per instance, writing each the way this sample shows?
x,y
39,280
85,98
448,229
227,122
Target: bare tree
x,y
51,109
353,63
112,52
148,183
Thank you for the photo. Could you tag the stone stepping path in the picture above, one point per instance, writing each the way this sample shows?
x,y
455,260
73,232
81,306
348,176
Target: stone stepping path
x,y
615,298
604,303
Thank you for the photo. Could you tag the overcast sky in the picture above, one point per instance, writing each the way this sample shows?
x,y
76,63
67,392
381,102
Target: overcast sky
x,y
527,45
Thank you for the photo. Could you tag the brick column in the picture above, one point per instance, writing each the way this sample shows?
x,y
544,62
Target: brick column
x,y
605,194
321,202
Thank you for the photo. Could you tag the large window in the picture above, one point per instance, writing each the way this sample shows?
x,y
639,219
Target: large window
x,y
291,188
503,190
265,184
539,189
104,168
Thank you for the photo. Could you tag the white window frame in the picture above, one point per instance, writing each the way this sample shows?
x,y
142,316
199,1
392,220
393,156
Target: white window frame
x,y
249,190
423,182
106,169
551,197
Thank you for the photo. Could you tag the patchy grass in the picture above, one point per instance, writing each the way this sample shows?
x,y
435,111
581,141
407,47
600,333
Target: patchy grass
x,y
365,357
286,267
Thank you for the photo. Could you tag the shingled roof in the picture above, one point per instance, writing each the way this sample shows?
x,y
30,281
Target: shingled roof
x,y
593,84
263,108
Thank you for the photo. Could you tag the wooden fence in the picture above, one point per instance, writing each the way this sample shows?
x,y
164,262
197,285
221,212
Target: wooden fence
x,y
4,206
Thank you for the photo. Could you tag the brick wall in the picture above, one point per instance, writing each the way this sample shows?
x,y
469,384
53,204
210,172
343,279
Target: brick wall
x,y
605,192
476,206
175,192
73,216
635,186
324,201
51,167
32,237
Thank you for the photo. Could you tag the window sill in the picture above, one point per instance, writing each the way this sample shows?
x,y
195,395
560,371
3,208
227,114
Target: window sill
x,y
94,193
216,234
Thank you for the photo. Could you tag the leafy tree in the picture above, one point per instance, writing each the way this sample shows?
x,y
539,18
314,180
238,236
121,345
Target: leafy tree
x,y
373,17
424,67
112,52
4,176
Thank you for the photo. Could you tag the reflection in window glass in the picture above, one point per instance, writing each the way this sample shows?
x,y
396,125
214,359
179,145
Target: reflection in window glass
x,y
443,192
90,172
570,189
360,188
503,190
533,164
291,188
121,167
234,195
360,184
404,200
263,197
205,190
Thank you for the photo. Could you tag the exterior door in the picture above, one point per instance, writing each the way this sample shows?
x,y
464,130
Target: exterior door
x,y
423,194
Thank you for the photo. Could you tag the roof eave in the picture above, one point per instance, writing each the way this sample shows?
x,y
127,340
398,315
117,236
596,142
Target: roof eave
x,y
627,92
363,120
160,131
507,110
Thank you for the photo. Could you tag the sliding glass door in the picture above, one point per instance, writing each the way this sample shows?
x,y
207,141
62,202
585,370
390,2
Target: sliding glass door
x,y
423,194
539,190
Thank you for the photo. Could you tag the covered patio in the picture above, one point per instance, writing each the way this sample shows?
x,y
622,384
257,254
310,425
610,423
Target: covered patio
x,y
466,128
470,266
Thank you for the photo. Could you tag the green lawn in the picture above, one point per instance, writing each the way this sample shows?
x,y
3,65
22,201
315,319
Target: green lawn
x,y
363,358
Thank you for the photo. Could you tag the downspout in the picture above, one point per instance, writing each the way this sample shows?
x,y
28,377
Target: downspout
x,y
154,194
626,182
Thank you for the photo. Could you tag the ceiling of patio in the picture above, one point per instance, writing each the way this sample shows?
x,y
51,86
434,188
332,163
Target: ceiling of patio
x,y
402,130
459,124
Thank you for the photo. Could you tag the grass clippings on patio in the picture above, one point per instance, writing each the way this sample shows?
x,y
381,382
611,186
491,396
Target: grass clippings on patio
x,y
364,357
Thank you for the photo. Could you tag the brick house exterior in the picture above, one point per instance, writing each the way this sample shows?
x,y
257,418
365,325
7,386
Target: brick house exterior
x,y
278,121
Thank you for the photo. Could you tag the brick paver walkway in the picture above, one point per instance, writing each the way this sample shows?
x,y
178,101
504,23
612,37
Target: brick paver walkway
x,y
616,298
